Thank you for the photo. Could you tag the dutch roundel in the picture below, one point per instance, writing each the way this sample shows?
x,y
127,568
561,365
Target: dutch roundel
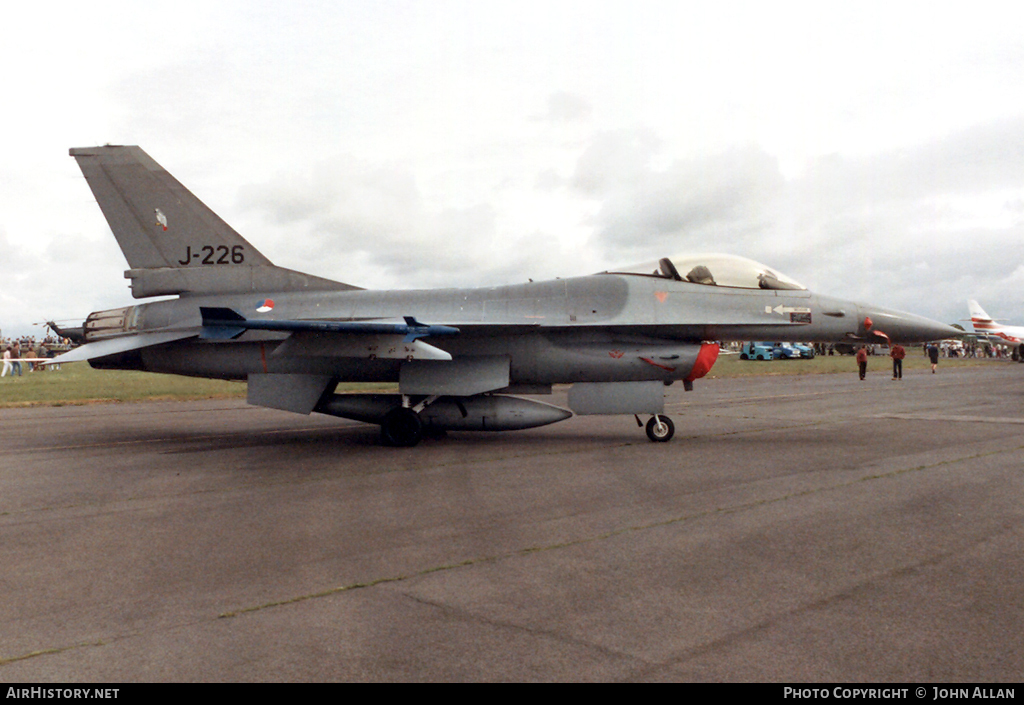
x,y
265,305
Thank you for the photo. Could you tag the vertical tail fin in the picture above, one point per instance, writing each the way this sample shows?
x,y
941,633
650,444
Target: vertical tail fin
x,y
984,325
977,312
981,321
173,242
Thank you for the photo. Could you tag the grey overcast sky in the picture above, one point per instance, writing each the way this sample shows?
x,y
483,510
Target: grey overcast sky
x,y
869,150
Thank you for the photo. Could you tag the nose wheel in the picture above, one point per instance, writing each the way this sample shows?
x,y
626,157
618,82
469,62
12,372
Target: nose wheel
x,y
660,429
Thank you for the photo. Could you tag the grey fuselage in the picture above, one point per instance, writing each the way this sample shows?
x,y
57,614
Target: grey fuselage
x,y
597,328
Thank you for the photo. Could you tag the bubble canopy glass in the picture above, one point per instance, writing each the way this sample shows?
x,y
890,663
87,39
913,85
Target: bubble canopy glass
x,y
713,270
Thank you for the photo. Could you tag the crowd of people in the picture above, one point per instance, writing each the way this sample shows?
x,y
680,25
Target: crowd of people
x,y
933,351
16,349
946,348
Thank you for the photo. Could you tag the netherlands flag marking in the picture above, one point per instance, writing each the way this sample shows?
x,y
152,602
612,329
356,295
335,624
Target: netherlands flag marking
x,y
265,305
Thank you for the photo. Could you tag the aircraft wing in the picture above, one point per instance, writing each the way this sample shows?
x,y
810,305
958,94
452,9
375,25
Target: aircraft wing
x,y
1003,337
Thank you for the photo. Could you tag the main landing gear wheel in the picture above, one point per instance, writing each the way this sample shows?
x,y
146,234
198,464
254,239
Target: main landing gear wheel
x,y
401,428
660,429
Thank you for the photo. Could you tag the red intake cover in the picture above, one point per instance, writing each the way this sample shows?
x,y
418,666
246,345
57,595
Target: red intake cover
x,y
705,361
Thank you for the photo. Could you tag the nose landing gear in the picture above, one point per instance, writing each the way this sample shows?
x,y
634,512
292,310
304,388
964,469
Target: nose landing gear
x,y
660,428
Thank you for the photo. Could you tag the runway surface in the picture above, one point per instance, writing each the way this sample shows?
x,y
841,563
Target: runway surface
x,y
797,529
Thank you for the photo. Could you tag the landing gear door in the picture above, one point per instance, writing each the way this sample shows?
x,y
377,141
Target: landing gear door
x,y
296,393
589,398
461,377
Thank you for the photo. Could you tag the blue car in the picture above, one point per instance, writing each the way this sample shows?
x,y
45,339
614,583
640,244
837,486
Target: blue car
x,y
785,351
792,351
806,351
756,351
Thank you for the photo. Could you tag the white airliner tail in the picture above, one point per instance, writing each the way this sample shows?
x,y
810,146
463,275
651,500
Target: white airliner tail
x,y
986,325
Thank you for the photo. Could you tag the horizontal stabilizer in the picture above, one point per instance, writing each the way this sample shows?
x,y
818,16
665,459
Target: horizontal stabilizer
x,y
113,346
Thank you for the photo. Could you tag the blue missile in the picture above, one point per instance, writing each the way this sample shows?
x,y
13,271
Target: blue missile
x,y
226,323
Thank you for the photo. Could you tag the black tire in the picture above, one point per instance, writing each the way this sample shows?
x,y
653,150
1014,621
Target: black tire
x,y
401,428
663,432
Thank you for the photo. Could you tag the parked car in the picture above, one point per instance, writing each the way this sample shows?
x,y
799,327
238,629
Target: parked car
x,y
806,351
785,351
756,351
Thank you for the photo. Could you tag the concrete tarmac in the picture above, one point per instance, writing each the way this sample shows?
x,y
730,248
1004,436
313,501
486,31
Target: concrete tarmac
x,y
814,528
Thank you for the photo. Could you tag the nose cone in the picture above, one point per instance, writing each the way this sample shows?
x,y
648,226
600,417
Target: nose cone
x,y
902,327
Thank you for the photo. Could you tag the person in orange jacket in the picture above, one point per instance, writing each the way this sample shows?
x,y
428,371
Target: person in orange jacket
x,y
862,360
897,353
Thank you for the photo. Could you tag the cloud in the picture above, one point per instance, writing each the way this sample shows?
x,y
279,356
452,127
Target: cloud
x,y
687,204
981,159
917,228
930,225
568,107
16,263
371,226
69,278
615,159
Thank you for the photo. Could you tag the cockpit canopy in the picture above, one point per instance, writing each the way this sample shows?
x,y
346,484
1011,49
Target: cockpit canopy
x,y
713,270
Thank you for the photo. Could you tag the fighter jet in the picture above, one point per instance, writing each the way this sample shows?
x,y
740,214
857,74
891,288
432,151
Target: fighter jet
x,y
458,356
